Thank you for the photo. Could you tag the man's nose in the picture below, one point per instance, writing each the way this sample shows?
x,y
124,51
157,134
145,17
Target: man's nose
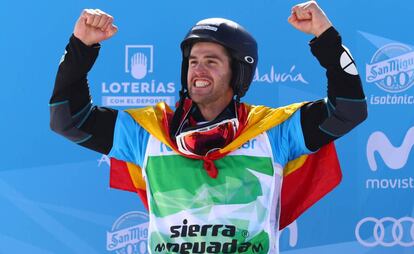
x,y
199,68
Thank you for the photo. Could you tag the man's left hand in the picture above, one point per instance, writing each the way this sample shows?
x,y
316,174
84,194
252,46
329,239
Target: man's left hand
x,y
309,18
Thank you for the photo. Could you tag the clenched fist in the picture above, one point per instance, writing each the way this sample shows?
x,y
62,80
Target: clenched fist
x,y
94,26
308,17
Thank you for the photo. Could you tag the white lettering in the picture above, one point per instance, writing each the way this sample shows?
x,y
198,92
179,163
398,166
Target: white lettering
x,y
392,99
171,87
160,88
104,88
390,67
397,183
145,87
136,100
274,77
249,144
137,87
131,235
114,87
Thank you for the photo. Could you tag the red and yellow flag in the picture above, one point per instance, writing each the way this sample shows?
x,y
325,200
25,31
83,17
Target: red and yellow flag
x,y
306,179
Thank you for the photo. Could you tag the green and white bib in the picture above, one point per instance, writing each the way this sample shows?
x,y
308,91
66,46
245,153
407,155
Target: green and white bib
x,y
190,212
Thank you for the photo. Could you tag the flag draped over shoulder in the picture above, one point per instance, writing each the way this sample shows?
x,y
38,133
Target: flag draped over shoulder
x,y
305,179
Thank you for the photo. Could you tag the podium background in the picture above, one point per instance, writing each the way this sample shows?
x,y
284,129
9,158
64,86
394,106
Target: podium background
x,y
55,196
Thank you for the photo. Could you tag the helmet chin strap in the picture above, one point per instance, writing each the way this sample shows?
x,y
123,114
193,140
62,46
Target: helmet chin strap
x,y
237,80
179,112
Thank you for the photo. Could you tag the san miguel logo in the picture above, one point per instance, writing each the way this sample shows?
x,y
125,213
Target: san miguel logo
x,y
391,69
129,234
194,234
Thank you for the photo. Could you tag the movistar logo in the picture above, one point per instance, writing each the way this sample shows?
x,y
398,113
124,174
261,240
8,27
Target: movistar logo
x,y
197,232
395,157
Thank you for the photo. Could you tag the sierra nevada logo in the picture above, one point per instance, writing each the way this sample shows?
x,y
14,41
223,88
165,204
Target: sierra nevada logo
x,y
194,239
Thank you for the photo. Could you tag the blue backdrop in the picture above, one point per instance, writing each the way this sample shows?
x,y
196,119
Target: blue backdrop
x,y
54,195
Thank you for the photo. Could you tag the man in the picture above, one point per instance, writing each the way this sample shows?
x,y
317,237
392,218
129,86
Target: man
x,y
213,169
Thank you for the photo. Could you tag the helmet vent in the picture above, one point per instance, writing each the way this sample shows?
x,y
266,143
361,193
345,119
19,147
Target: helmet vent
x,y
249,59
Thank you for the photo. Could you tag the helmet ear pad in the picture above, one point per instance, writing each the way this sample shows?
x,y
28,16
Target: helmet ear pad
x,y
241,78
184,72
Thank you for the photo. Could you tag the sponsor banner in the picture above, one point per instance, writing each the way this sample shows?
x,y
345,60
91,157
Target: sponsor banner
x,y
385,232
137,87
227,232
129,234
293,233
392,74
221,239
138,101
391,69
394,157
273,76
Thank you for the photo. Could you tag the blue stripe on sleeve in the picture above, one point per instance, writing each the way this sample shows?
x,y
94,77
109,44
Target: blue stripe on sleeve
x,y
287,141
84,139
130,140
84,118
352,100
88,106
58,103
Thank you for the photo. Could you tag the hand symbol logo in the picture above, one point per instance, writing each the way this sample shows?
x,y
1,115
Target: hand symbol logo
x,y
138,65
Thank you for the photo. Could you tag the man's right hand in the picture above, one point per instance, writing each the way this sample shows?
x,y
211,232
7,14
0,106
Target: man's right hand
x,y
94,26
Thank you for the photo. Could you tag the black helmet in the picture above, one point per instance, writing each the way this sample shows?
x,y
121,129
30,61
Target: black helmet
x,y
241,46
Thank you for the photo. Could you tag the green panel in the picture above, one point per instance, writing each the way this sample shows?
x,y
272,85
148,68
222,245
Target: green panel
x,y
178,183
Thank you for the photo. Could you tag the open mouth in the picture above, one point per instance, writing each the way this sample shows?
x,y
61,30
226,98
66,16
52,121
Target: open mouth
x,y
201,83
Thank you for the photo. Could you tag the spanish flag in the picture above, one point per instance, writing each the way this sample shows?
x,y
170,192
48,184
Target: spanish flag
x,y
305,180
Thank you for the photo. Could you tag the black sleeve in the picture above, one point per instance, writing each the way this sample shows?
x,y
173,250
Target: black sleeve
x,y
72,114
345,106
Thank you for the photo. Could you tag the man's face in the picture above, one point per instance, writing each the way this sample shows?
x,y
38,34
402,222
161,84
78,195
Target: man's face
x,y
209,75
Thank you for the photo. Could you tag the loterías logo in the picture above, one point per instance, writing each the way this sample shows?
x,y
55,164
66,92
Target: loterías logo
x,y
139,60
395,157
386,232
139,87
